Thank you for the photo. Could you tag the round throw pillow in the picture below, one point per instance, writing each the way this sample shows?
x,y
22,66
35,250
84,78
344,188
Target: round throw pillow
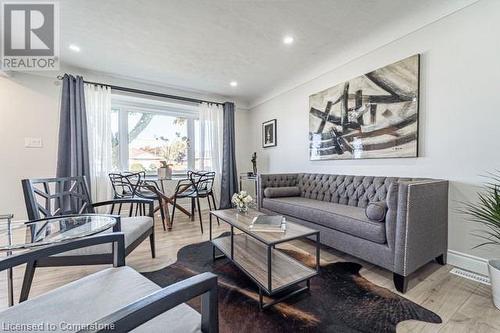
x,y
375,211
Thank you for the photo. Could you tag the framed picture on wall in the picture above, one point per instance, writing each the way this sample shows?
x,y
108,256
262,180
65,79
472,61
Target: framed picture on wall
x,y
269,133
374,115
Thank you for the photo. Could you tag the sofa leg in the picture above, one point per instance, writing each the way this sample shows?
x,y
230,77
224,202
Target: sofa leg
x,y
400,282
441,260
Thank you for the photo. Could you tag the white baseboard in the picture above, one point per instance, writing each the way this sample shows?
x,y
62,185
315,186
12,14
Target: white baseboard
x,y
468,262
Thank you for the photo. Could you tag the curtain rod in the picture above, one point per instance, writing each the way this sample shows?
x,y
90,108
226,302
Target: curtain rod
x,y
149,93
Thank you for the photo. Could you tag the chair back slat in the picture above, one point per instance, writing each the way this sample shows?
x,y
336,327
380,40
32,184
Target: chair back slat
x,y
203,181
50,197
126,184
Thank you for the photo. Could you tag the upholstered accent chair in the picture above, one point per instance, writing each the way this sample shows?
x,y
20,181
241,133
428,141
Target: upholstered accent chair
x,y
117,299
410,231
51,197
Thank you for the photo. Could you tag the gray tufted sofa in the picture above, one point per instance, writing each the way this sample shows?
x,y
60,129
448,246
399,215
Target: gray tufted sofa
x,y
413,232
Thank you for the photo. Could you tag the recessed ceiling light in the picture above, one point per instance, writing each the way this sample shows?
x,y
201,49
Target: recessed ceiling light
x,y
74,48
233,83
287,40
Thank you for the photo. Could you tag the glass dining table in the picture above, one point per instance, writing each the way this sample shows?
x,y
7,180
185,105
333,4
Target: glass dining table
x,y
44,232
167,188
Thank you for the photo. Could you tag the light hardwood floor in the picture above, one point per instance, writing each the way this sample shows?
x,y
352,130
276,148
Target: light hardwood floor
x,y
464,306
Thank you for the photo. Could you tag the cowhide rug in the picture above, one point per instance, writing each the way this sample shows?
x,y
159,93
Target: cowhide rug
x,y
340,300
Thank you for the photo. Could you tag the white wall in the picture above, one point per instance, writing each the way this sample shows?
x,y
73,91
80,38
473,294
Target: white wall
x,y
29,107
459,116
243,148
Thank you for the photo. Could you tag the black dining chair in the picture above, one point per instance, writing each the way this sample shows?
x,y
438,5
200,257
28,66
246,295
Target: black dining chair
x,y
124,186
199,184
134,184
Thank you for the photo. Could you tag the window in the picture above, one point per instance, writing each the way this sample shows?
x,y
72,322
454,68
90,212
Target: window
x,y
149,132
203,158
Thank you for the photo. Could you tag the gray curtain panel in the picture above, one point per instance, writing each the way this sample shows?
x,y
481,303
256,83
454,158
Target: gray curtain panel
x,y
229,178
73,150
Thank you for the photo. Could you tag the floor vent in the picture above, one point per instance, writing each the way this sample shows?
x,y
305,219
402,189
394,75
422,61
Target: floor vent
x,y
471,276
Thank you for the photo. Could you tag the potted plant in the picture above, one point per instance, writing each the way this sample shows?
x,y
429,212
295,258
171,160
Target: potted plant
x,y
174,150
487,213
165,170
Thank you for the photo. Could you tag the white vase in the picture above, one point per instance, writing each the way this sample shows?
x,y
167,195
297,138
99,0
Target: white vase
x,y
169,172
494,269
242,209
162,173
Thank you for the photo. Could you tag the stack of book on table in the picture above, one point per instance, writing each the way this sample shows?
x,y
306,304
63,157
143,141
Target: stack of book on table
x,y
266,223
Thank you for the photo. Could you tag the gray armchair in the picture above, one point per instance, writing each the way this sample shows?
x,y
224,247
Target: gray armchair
x,y
116,299
51,197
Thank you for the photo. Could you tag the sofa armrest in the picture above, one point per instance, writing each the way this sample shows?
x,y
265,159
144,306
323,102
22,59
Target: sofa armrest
x,y
274,180
147,308
422,224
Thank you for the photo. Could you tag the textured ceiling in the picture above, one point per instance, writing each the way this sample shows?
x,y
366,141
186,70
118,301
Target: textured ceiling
x,y
204,44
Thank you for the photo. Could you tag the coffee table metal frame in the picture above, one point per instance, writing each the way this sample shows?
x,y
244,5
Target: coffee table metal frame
x,y
270,246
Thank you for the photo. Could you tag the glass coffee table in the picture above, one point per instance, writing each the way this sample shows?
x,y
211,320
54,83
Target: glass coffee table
x,y
256,255
47,232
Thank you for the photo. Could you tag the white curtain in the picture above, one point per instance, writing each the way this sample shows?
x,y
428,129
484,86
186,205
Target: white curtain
x,y
210,134
98,107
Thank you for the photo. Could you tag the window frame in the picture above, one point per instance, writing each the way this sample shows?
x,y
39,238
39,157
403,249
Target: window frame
x,y
124,104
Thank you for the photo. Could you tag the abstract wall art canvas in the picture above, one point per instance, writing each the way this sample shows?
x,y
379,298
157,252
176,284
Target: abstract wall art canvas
x,y
372,116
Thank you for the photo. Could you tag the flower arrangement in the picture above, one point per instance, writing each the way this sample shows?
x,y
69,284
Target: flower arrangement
x,y
242,200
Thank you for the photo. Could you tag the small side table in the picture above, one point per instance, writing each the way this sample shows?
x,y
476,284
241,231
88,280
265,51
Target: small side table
x,y
247,177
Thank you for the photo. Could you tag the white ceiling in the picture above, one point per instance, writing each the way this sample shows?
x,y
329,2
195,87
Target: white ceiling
x,y
204,44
